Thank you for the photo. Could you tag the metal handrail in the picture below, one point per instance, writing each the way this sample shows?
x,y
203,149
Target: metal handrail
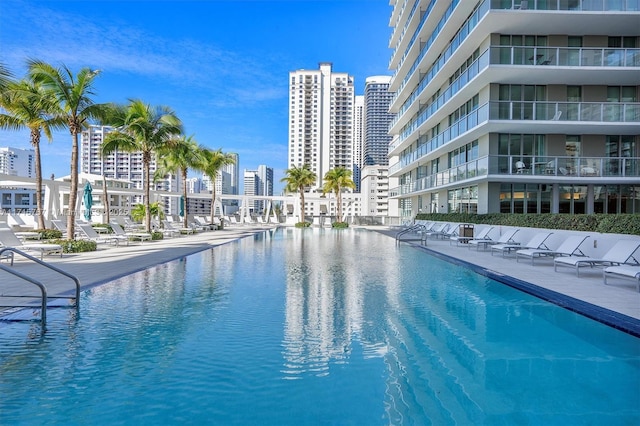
x,y
413,228
37,283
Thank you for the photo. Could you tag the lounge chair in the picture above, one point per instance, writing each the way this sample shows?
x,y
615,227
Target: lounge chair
x,y
168,225
622,271
203,223
140,236
9,240
88,233
570,247
537,242
482,235
167,233
621,253
506,238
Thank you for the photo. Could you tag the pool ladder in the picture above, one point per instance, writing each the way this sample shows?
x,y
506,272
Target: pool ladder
x,y
10,252
418,229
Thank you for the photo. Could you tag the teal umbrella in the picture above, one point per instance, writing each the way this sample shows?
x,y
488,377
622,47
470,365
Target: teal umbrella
x,y
88,201
182,206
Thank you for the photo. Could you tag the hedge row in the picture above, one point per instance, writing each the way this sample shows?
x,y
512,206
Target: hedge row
x,y
605,223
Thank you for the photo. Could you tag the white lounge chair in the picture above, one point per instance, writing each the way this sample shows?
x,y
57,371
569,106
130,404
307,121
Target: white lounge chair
x,y
9,240
88,233
506,238
483,234
622,271
621,253
570,247
201,222
140,236
537,242
168,225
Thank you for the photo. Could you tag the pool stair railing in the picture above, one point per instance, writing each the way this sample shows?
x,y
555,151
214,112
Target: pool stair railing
x,y
412,233
10,252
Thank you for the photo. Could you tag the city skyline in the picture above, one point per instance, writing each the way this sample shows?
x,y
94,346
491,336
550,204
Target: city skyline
x,y
222,66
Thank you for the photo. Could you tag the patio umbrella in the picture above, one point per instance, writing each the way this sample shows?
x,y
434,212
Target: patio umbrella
x,y
182,206
88,201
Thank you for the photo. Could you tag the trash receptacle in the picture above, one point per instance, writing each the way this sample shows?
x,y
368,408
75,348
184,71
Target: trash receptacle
x,y
466,231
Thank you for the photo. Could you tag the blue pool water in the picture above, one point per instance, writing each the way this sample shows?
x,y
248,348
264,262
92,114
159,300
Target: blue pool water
x,y
309,327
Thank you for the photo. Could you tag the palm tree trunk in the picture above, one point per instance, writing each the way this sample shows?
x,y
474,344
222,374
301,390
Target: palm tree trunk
x,y
301,204
147,193
213,203
184,186
35,141
73,190
339,201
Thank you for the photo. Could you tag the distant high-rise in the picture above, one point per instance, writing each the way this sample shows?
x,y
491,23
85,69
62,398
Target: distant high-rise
x,y
17,162
377,99
122,165
321,115
259,182
358,139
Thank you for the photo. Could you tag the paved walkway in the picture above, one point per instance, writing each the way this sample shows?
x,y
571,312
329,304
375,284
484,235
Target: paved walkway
x,y
111,262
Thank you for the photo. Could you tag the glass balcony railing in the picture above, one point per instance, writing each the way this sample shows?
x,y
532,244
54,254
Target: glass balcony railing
x,y
577,5
565,56
577,168
600,112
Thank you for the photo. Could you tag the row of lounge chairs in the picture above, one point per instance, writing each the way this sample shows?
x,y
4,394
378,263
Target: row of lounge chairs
x,y
619,261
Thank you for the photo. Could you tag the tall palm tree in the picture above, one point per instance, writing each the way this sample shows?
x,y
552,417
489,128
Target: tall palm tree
x,y
212,163
296,180
335,180
179,156
27,105
141,128
74,95
5,76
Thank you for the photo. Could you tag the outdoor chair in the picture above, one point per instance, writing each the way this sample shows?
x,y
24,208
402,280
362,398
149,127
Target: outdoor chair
x,y
570,247
482,235
9,240
506,238
90,234
622,271
140,236
621,253
537,242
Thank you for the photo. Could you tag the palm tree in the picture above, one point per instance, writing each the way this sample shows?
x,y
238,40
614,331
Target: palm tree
x,y
212,163
73,94
5,76
145,129
297,179
335,180
28,106
178,157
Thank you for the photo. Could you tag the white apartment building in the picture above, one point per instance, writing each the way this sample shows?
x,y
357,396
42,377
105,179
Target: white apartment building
x,y
123,166
321,115
358,139
515,106
17,162
375,191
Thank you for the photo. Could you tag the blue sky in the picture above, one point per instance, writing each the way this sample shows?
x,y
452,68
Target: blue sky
x,y
223,66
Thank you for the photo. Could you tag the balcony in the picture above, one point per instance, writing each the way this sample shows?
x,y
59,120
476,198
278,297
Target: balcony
x,y
542,169
566,115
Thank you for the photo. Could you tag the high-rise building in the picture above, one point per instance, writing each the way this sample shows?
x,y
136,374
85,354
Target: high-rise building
x,y
17,162
515,106
321,115
259,182
122,165
377,99
358,139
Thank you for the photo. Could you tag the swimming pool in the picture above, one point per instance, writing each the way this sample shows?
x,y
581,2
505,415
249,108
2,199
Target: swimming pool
x,y
316,327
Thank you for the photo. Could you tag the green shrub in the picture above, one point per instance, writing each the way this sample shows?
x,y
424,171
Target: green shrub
x,y
156,235
339,225
605,223
303,224
50,234
76,246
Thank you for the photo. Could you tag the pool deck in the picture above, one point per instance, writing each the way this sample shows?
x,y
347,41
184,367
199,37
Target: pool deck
x,y
620,301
